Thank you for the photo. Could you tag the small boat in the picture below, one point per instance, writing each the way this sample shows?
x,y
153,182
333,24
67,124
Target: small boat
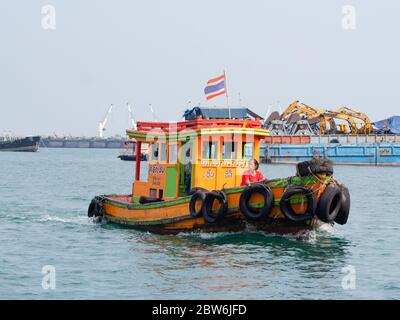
x,y
129,154
25,144
208,196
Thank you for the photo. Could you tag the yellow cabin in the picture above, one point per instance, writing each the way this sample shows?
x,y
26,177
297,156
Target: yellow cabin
x,y
214,151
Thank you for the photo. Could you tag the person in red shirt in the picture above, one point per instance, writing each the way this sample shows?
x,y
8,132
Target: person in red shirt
x,y
252,175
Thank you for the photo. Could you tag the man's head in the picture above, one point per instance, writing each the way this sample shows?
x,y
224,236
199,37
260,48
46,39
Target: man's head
x,y
316,154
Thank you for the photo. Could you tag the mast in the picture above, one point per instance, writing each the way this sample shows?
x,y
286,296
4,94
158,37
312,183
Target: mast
x,y
227,98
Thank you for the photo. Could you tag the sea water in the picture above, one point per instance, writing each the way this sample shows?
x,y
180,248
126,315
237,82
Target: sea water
x,y
49,249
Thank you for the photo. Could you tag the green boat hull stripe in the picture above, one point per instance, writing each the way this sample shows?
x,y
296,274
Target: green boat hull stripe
x,y
277,183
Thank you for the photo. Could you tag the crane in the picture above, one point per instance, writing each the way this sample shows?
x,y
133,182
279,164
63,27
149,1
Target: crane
x,y
102,124
132,119
153,113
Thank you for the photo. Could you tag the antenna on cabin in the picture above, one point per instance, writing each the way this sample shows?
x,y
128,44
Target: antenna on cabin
x,y
187,108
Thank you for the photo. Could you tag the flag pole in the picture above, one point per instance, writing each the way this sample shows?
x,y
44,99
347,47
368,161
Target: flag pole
x,y
226,93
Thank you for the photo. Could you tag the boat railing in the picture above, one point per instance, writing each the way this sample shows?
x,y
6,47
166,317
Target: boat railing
x,y
356,139
197,124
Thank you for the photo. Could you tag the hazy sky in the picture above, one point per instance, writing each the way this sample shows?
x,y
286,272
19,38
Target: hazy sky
x,y
163,52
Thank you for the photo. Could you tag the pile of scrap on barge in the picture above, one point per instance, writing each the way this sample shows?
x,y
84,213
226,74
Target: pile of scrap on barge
x,y
345,136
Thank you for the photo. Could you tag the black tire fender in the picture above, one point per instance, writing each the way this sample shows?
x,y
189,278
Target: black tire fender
x,y
286,206
96,207
329,203
92,208
343,214
208,203
246,208
192,204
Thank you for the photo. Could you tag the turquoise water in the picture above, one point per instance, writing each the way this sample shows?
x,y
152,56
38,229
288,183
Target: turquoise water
x,y
43,207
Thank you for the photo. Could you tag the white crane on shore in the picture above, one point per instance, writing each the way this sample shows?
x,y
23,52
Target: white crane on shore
x,y
153,113
131,116
102,124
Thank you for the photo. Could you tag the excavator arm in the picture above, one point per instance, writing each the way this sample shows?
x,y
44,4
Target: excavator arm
x,y
367,124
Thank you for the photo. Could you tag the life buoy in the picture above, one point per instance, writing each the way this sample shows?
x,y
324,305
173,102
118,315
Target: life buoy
x,y
196,197
245,207
329,203
343,214
208,213
286,206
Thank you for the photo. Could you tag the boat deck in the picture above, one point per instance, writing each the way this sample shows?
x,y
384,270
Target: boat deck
x,y
123,198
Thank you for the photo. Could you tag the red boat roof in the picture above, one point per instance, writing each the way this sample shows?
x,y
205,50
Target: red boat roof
x,y
199,123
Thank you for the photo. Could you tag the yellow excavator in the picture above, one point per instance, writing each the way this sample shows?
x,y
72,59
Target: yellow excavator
x,y
367,124
324,116
300,109
330,116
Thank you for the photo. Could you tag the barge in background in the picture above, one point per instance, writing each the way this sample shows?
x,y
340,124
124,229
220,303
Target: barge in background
x,y
83,142
376,150
26,144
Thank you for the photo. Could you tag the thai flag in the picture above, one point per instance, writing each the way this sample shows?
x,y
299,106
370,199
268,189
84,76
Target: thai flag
x,y
215,87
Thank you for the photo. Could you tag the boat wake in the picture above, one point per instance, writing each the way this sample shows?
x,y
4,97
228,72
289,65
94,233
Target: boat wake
x,y
72,220
309,236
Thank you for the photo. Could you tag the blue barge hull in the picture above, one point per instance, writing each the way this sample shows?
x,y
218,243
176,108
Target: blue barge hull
x,y
383,154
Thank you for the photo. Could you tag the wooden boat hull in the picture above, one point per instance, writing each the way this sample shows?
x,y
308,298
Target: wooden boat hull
x,y
173,216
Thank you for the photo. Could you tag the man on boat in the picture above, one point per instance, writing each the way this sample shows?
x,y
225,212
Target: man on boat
x,y
188,171
252,175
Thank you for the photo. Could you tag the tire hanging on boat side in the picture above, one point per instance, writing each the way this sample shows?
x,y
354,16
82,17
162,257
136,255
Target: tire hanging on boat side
x,y
198,195
247,209
329,203
96,207
343,214
208,203
92,208
286,206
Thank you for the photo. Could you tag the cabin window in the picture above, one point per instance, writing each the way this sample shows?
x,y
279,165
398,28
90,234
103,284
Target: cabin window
x,y
163,155
229,150
154,151
247,150
210,149
173,153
